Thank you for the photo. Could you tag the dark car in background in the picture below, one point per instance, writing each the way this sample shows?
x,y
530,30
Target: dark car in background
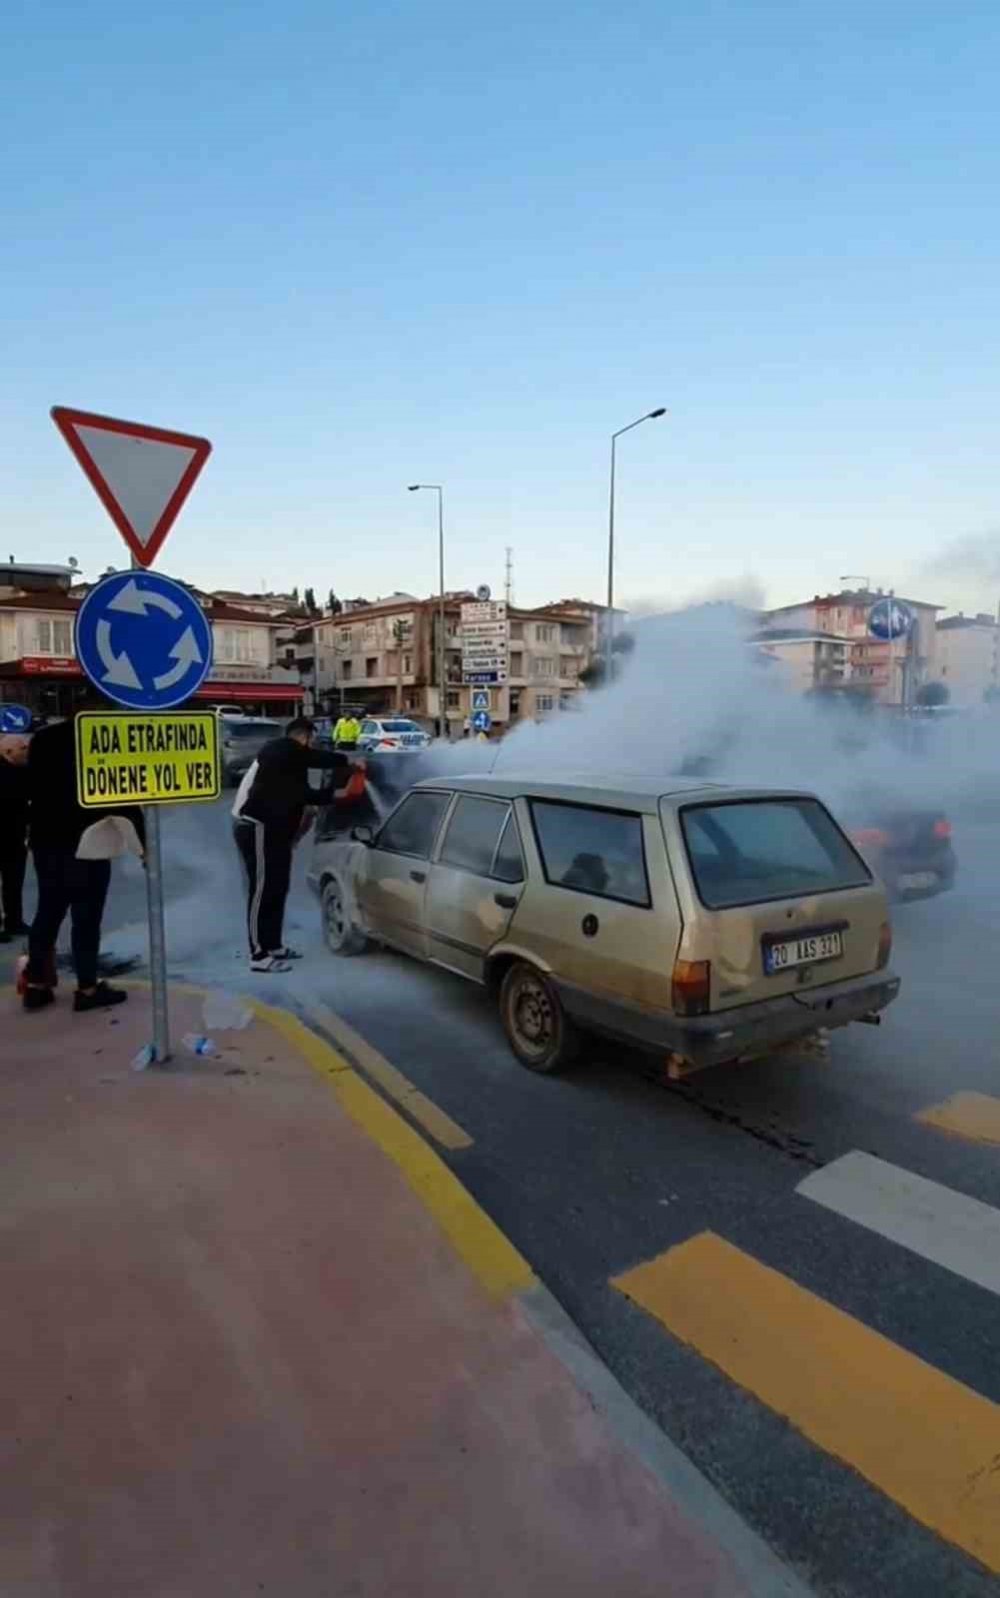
x,y
241,739
910,849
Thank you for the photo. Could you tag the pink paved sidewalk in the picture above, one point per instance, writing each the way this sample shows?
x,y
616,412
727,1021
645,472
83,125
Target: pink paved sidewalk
x,y
238,1356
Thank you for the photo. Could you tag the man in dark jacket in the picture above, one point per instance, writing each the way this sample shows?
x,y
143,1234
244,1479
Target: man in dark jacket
x,y
65,881
272,809
13,833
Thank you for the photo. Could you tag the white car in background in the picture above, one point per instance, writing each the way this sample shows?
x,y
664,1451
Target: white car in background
x,y
394,733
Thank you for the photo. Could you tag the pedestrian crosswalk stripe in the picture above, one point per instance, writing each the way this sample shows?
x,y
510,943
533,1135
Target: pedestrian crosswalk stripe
x,y
975,1116
955,1231
924,1439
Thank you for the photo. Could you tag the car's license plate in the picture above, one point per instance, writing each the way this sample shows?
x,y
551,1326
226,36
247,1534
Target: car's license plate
x,y
781,956
910,881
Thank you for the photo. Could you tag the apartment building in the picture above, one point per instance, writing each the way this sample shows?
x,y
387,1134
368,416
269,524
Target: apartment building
x,y
967,658
384,656
810,660
889,672
38,666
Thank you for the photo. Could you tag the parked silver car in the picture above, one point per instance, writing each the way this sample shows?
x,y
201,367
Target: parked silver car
x,y
706,923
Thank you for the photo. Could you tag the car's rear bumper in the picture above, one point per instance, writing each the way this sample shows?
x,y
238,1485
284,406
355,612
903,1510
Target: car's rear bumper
x,y
919,875
750,1029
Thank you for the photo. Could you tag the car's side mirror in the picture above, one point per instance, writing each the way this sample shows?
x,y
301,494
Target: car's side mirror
x,y
363,835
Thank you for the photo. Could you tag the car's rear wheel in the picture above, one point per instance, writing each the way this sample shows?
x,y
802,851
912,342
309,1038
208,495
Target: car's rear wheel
x,y
339,933
538,1029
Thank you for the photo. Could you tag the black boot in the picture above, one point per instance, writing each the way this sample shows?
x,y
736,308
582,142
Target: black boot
x,y
102,998
37,998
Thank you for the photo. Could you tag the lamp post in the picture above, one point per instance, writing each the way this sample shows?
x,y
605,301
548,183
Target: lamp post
x,y
650,416
442,690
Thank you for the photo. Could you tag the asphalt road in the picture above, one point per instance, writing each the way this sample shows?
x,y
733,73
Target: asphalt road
x,y
593,1173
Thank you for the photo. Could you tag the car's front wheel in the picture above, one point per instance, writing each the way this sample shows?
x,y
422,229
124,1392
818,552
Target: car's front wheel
x,y
339,932
538,1029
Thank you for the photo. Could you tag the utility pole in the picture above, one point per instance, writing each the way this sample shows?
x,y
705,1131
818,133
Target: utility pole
x,y
650,416
509,580
435,488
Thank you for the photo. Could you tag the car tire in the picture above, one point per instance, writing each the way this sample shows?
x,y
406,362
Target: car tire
x,y
340,934
540,1034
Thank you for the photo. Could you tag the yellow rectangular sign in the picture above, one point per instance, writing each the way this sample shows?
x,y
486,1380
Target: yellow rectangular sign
x,y
143,758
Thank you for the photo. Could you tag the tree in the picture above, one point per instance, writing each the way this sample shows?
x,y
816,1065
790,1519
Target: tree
x,y
333,604
932,695
295,595
309,600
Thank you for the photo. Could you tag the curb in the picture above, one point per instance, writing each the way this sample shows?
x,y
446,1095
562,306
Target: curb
x,y
505,1274
763,1571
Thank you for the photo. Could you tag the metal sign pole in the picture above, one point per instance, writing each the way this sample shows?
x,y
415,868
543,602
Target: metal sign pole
x,y
157,929
157,935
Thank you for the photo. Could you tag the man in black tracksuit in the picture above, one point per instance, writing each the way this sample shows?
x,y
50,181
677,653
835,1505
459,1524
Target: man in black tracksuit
x,y
65,882
268,818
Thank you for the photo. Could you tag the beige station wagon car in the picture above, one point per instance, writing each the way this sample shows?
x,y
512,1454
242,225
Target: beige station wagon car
x,y
705,923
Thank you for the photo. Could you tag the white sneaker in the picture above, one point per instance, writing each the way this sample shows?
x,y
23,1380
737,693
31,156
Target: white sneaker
x,y
270,963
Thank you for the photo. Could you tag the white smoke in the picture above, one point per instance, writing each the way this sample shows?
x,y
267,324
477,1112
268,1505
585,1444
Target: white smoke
x,y
695,698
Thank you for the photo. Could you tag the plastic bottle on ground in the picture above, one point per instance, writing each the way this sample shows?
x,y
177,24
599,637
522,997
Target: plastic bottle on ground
x,y
197,1043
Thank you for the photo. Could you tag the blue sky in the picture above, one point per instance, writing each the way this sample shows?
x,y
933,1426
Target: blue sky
x,y
361,245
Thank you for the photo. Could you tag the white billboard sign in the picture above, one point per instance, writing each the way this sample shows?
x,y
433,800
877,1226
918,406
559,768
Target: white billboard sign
x,y
485,639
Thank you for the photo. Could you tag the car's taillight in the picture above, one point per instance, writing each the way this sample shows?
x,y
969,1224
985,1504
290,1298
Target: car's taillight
x,y
942,828
692,986
884,944
870,838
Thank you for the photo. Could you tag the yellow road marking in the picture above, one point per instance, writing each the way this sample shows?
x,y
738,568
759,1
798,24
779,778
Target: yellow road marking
x,y
479,1242
441,1127
922,1438
975,1116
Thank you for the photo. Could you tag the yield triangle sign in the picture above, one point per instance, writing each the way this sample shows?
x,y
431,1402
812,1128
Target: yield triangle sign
x,y
142,475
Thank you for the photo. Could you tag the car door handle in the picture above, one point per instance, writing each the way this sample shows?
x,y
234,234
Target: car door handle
x,y
418,876
506,901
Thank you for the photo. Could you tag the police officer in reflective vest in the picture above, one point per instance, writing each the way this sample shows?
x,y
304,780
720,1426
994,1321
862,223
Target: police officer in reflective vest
x,y
347,732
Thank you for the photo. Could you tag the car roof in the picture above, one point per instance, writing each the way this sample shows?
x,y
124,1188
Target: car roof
x,y
642,794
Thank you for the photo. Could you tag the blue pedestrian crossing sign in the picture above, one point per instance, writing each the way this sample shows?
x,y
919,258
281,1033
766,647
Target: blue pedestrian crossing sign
x,y
15,718
143,640
480,699
889,619
482,721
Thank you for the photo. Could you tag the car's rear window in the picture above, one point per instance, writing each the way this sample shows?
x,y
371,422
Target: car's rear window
x,y
251,729
745,853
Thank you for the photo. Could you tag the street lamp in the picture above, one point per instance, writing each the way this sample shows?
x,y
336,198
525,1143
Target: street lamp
x,y
442,690
650,416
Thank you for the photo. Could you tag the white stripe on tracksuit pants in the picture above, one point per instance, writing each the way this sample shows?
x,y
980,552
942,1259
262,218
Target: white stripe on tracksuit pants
x,y
266,850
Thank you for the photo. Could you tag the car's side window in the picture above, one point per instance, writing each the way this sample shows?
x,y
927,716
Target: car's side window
x,y
412,829
368,727
592,851
508,863
470,842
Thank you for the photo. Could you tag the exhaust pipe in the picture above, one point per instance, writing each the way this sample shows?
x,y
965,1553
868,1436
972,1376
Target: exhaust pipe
x,y
871,1019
